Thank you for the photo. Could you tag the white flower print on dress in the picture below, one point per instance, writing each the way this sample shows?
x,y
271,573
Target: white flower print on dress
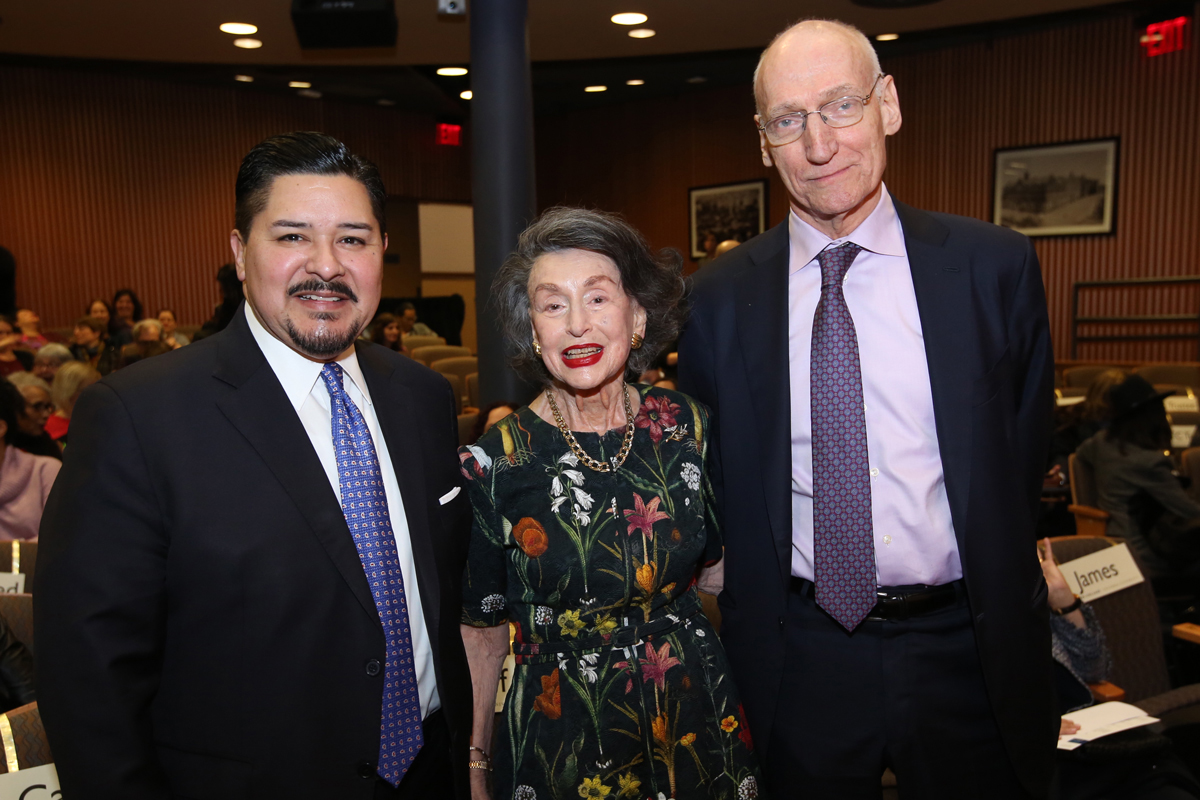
x,y
587,667
556,487
691,475
558,501
583,498
575,475
524,792
543,615
568,458
493,602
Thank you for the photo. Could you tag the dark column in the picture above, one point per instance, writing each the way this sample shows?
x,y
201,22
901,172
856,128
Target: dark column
x,y
503,189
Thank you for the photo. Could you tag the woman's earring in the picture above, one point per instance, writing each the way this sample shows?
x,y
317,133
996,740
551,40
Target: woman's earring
x,y
636,341
537,348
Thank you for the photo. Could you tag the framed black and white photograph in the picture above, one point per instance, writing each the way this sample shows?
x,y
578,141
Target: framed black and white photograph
x,y
735,211
1065,189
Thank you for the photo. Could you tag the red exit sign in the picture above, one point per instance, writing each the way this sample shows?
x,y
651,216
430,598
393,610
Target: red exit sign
x,y
449,134
1167,36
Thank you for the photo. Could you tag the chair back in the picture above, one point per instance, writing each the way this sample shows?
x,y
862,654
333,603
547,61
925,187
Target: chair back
x,y
1131,624
1083,376
28,739
413,342
1179,374
17,611
466,428
427,355
1083,482
457,389
473,390
19,556
459,367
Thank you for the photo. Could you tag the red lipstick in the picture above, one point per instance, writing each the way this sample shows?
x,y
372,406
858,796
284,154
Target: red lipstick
x,y
582,355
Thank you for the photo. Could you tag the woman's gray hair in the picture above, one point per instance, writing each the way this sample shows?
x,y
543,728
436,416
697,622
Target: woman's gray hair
x,y
53,353
654,281
145,324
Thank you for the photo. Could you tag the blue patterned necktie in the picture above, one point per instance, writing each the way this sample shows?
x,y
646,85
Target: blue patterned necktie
x,y
365,505
843,537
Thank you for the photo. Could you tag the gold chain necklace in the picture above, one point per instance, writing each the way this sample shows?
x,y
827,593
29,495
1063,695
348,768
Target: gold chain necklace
x,y
591,463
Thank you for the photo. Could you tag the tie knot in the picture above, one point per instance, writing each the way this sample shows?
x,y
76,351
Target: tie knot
x,y
332,375
835,261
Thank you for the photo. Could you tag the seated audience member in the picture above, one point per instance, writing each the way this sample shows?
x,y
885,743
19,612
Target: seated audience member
x,y
113,330
409,326
49,358
16,671
1136,486
171,337
386,331
127,309
70,381
9,339
92,345
1080,422
147,342
489,415
25,479
1134,764
38,409
31,338
231,299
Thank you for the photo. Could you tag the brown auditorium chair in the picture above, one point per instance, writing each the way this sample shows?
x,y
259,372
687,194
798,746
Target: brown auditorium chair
x,y
1089,519
1177,374
466,428
456,387
28,746
1131,623
17,610
461,367
473,390
1083,376
1070,391
1190,461
19,556
413,342
427,355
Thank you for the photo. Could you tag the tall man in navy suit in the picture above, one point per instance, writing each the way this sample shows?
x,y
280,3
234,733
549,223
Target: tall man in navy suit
x,y
881,381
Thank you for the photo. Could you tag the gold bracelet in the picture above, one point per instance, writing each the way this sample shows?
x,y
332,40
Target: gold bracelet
x,y
486,765
481,750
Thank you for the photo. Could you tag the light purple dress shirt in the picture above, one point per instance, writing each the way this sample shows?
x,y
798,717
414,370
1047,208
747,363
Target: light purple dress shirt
x,y
914,535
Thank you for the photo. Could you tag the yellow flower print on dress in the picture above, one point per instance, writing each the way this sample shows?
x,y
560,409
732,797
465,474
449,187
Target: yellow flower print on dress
x,y
687,739
592,787
570,623
628,784
729,724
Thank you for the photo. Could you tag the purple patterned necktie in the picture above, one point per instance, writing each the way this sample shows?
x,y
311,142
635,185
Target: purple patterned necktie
x,y
365,505
843,539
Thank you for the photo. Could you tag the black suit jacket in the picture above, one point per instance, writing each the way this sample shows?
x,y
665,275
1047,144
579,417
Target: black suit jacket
x,y
203,621
983,312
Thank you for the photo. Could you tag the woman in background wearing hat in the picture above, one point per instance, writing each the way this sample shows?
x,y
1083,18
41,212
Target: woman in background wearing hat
x,y
1136,486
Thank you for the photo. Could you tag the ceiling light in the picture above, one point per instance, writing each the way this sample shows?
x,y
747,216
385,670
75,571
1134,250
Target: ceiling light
x,y
596,89
641,33
634,82
247,44
452,72
383,101
238,28
466,95
697,79
244,78
887,37
299,85
315,95
629,18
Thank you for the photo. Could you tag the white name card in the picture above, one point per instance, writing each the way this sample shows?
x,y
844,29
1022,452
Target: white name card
x,y
35,783
1177,403
1102,573
12,582
1181,436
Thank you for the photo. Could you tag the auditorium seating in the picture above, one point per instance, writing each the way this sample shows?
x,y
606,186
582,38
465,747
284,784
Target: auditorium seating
x,y
413,342
1089,519
473,390
427,355
27,746
460,367
19,556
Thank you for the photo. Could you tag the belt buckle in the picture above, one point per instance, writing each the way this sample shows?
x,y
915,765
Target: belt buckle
x,y
888,601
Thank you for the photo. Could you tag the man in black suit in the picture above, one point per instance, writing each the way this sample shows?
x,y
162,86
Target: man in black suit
x,y
881,381
206,627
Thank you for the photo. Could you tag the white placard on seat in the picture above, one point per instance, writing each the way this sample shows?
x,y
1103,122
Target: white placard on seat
x,y
1181,436
35,783
1177,403
1102,573
12,582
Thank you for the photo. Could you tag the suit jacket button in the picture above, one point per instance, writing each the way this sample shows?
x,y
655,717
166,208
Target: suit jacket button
x,y
366,770
374,668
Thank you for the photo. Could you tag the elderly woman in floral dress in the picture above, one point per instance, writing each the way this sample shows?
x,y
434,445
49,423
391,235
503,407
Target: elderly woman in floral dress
x,y
593,524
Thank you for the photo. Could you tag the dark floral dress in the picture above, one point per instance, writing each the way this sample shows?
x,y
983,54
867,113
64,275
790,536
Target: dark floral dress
x,y
622,689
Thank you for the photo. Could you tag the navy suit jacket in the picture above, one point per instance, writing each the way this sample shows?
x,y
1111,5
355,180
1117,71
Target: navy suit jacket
x,y
204,626
983,312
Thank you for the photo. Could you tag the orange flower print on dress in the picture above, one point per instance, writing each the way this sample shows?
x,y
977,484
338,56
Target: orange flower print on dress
x,y
659,728
645,578
729,724
549,702
687,739
530,536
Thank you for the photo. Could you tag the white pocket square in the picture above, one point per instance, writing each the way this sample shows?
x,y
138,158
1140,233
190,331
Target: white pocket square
x,y
450,495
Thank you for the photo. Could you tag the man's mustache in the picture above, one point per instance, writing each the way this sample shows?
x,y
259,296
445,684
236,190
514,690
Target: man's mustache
x,y
314,285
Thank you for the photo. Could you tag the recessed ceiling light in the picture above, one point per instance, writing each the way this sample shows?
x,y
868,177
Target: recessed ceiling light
x,y
247,44
641,33
299,85
383,101
239,28
887,37
634,82
629,18
697,79
452,71
244,78
466,95
315,95
596,89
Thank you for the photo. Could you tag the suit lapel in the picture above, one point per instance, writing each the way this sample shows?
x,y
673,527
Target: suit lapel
x,y
260,410
397,413
762,328
943,288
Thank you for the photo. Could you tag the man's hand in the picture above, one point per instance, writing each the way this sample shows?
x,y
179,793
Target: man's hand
x,y
712,579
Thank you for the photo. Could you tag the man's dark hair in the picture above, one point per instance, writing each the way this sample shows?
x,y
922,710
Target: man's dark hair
x,y
300,153
1145,427
12,408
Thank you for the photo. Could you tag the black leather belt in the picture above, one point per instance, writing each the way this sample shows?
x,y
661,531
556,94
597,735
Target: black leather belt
x,y
901,602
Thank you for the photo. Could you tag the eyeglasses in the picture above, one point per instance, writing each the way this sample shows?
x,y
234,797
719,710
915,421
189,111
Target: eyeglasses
x,y
840,113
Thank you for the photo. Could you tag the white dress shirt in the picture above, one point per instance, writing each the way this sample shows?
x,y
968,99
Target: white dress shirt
x,y
301,380
910,512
